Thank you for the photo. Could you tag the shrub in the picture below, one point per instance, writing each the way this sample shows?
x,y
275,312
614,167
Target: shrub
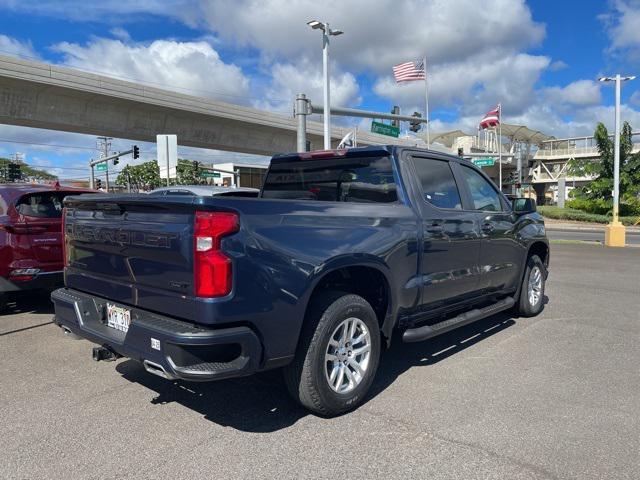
x,y
580,216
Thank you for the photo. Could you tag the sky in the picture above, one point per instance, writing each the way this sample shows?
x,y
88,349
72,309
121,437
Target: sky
x,y
540,59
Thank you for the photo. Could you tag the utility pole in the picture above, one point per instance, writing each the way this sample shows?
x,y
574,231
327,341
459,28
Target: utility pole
x,y
104,146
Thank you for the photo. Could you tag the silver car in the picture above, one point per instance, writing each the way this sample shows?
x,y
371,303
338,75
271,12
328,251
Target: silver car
x,y
206,191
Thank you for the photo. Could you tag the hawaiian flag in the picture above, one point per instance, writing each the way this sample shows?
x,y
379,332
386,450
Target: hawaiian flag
x,y
409,71
491,118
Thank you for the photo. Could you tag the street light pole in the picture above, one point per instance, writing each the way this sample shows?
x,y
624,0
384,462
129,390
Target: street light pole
x,y
616,157
326,33
615,231
326,94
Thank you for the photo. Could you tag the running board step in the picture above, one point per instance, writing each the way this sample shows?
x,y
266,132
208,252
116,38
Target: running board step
x,y
422,333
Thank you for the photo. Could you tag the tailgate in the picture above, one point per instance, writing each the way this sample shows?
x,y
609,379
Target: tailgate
x,y
133,250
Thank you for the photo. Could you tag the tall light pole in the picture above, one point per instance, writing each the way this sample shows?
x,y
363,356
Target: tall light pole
x,y
326,33
615,231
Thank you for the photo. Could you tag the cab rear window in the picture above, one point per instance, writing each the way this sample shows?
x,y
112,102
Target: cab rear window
x,y
359,179
42,204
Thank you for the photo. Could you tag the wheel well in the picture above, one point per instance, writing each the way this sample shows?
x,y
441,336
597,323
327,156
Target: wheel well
x,y
541,250
367,282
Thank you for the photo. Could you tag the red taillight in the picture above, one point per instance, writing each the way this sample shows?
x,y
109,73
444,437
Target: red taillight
x,y
212,269
65,260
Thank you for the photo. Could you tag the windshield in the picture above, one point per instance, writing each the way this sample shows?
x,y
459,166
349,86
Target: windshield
x,y
363,179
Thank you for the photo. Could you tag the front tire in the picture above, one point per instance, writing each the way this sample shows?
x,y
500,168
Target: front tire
x,y
337,355
531,299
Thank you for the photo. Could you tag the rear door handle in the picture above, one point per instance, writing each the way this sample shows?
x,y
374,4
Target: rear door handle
x,y
435,227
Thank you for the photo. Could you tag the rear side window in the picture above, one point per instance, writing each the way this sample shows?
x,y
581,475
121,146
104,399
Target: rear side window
x,y
438,183
484,196
42,205
360,179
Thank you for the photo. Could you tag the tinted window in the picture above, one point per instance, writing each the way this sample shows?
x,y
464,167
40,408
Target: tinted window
x,y
484,196
42,205
364,179
438,184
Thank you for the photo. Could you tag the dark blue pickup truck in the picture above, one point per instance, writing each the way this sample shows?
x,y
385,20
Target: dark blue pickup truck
x,y
342,248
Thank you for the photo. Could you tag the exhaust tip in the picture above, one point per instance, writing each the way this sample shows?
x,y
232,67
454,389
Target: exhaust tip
x,y
69,334
157,369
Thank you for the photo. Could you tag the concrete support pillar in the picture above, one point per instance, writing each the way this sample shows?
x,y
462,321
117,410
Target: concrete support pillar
x,y
301,112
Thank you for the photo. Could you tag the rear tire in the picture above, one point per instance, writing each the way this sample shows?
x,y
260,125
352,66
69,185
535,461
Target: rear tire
x,y
330,374
3,302
531,299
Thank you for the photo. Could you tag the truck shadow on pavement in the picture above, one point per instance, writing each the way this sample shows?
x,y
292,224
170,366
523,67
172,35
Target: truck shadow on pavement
x,y
28,302
261,403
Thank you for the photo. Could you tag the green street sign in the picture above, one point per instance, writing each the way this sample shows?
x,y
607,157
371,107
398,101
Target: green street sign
x,y
483,162
209,174
384,129
102,167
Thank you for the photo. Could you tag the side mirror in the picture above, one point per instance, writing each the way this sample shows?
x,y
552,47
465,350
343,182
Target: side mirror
x,y
524,205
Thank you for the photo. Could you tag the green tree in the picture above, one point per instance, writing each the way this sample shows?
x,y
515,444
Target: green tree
x,y
28,173
145,176
596,196
187,173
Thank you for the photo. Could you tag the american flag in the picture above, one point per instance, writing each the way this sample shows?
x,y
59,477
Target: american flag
x,y
491,118
409,71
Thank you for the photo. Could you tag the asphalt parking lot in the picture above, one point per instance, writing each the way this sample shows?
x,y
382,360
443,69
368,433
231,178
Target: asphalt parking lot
x,y
556,396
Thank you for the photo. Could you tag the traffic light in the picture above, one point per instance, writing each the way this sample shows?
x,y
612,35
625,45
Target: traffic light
x,y
395,111
415,126
14,172
98,184
136,152
116,161
461,152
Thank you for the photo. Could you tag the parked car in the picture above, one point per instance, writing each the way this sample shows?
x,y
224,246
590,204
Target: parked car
x,y
206,191
31,237
343,248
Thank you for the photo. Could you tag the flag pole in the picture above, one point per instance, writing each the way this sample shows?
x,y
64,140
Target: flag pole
x,y
426,100
500,143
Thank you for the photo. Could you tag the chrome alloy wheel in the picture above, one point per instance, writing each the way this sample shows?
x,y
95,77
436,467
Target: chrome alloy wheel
x,y
534,289
347,356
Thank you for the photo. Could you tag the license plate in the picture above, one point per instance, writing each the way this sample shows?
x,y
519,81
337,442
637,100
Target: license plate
x,y
118,317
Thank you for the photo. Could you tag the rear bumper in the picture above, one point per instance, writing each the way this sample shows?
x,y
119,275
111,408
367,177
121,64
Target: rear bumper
x,y
40,281
167,347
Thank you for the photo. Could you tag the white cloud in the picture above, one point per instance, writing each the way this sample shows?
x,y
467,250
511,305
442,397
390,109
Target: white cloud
x,y
12,46
558,65
110,11
189,67
473,85
623,24
288,79
377,37
578,93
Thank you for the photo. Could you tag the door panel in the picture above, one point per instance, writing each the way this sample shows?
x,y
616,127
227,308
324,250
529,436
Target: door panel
x,y
500,253
451,239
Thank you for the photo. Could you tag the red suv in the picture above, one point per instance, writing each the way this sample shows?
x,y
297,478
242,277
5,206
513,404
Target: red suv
x,y
31,236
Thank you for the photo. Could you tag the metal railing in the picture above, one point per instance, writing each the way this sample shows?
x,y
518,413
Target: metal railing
x,y
574,151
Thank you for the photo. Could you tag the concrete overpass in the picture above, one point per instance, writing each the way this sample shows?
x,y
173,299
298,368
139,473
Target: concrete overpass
x,y
40,95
